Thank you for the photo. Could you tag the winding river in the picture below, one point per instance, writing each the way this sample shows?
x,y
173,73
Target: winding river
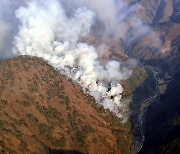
x,y
152,99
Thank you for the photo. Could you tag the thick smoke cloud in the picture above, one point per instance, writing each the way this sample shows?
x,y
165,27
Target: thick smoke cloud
x,y
46,31
119,19
59,31
106,11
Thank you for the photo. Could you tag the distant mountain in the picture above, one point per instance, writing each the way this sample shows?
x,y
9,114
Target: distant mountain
x,y
163,18
161,120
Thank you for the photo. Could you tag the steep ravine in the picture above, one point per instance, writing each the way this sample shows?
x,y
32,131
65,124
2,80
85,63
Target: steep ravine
x,y
152,99
144,96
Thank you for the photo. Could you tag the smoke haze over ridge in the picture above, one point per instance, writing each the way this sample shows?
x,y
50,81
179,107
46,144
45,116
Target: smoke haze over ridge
x,y
54,31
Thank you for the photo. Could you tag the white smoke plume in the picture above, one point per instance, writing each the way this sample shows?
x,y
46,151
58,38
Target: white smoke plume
x,y
46,31
58,31
120,19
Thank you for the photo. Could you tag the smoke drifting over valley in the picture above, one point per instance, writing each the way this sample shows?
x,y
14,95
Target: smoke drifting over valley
x,y
59,31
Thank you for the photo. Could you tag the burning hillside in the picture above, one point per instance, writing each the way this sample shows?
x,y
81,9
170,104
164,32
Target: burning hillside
x,y
42,111
104,47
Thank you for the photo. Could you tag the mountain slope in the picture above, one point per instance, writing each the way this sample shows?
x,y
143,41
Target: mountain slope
x,y
162,118
42,112
162,17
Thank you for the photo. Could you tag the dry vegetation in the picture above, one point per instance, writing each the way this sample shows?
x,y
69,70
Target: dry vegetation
x,y
42,111
138,77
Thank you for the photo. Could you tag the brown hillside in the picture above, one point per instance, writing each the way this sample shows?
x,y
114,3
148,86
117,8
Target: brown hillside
x,y
42,111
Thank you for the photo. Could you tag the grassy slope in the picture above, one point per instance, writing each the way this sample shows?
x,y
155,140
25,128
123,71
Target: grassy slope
x,y
42,111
